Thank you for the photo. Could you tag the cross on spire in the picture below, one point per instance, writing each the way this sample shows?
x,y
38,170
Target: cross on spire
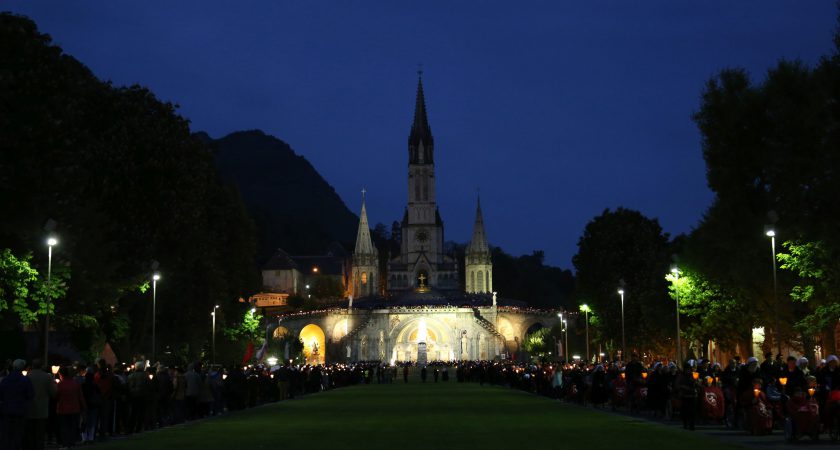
x,y
363,194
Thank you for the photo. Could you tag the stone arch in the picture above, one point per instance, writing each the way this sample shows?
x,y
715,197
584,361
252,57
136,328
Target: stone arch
x,y
532,328
340,329
280,332
506,328
314,343
438,343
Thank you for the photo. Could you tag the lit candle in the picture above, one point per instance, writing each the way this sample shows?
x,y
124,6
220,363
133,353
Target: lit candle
x,y
55,369
151,376
783,381
644,375
623,375
24,372
756,392
811,392
696,375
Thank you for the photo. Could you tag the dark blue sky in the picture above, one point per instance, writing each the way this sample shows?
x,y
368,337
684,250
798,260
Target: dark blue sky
x,y
556,110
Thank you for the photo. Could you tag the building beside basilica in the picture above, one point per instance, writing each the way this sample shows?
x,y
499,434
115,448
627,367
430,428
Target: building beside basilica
x,y
427,312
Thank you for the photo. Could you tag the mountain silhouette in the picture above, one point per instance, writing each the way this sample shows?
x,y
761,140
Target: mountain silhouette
x,y
292,206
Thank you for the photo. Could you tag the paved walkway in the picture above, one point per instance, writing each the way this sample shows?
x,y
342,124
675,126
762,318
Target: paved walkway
x,y
774,441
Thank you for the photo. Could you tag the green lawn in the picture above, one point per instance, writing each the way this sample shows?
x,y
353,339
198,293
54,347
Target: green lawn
x,y
414,416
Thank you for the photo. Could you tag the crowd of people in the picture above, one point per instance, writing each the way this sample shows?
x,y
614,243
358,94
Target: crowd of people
x,y
793,395
81,403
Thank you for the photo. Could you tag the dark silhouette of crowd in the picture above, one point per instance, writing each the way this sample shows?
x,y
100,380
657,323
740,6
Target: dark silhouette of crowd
x,y
791,396
80,403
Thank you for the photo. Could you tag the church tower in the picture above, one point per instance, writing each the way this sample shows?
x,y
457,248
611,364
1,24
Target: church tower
x,y
478,266
423,230
365,260
421,264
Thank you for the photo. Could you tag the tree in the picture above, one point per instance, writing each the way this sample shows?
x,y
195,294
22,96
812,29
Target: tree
x,y
127,183
817,285
772,151
623,245
539,343
708,312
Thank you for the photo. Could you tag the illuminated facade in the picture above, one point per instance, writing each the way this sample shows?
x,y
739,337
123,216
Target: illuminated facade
x,y
425,314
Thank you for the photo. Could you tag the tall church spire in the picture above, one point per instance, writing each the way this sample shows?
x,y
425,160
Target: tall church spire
x,y
420,140
477,259
478,244
365,274
364,245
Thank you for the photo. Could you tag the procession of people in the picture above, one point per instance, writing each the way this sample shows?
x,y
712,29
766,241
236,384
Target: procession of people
x,y
80,403
793,396
76,404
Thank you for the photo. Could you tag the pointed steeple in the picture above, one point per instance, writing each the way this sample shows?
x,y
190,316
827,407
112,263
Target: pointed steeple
x,y
420,138
478,244
364,245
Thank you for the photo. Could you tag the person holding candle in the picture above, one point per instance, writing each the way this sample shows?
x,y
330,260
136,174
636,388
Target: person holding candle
x,y
795,377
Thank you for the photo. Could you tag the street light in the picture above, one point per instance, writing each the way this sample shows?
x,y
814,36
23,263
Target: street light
x,y
771,233
155,279
676,272
213,345
565,350
585,309
623,342
51,241
566,327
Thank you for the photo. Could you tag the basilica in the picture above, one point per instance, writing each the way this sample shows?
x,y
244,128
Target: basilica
x,y
419,310
421,266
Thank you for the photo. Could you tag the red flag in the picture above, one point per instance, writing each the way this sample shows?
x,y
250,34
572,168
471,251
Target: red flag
x,y
249,352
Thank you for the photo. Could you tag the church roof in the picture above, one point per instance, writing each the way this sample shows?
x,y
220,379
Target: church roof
x,y
326,264
364,245
280,261
478,244
420,129
337,250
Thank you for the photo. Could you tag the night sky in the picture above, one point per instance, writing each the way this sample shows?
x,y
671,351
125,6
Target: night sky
x,y
555,110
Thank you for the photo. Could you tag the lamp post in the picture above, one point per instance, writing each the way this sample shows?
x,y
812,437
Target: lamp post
x,y
564,350
566,327
155,279
585,309
51,241
676,273
772,235
213,343
623,341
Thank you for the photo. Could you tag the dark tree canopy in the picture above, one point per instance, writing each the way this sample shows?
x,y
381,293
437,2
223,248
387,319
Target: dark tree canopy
x,y
127,183
623,245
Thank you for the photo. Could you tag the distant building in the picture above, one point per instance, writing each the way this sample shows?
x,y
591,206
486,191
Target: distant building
x,y
291,275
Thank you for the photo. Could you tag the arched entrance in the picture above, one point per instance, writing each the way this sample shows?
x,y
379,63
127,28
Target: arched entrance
x,y
314,343
420,335
340,330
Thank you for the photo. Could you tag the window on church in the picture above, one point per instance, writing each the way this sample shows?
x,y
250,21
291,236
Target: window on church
x,y
480,287
364,277
417,190
425,188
